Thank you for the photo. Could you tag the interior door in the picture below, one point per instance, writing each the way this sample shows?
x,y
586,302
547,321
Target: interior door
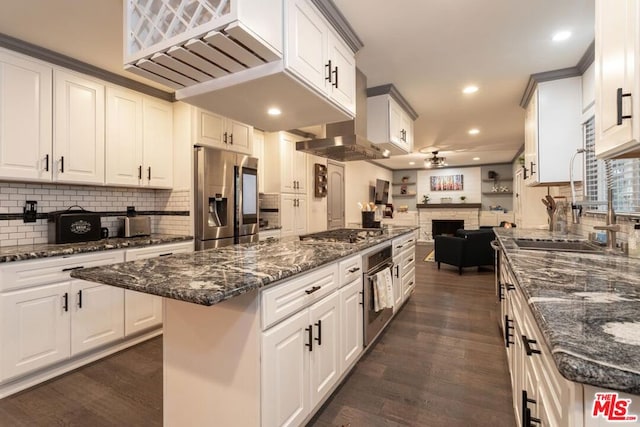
x,y
335,195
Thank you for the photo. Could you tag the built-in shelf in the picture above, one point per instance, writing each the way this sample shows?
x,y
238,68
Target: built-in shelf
x,y
509,178
403,195
403,183
497,193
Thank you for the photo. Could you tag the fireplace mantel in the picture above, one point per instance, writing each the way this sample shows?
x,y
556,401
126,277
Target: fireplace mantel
x,y
449,206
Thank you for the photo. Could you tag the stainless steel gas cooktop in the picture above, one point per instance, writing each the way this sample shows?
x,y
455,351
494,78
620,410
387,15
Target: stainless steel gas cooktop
x,y
347,235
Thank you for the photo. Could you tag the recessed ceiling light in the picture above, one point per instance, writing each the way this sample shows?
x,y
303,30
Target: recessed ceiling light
x,y
561,36
412,163
476,158
274,111
470,89
474,131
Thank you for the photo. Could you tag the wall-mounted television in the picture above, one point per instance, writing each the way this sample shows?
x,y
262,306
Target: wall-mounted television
x,y
382,192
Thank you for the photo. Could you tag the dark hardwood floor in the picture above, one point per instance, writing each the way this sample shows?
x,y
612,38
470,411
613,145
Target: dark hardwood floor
x,y
440,363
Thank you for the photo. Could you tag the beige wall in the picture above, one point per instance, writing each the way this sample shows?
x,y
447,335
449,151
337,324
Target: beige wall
x,y
316,206
359,176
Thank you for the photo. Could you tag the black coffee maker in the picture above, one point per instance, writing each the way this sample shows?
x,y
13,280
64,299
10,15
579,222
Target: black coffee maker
x,y
388,211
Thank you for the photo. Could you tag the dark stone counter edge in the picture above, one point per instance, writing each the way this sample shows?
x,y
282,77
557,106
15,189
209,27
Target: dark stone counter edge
x,y
449,206
574,367
44,215
47,251
210,297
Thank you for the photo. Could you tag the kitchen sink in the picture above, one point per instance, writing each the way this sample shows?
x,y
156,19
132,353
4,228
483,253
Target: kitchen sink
x,y
552,245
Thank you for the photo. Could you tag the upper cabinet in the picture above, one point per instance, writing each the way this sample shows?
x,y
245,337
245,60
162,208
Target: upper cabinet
x,y
285,167
285,53
617,75
78,138
390,120
25,118
553,131
316,53
139,140
212,130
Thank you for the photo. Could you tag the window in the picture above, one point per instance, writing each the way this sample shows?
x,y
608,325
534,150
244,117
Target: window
x,y
625,178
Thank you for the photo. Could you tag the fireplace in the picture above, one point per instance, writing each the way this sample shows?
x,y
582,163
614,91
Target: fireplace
x,y
446,227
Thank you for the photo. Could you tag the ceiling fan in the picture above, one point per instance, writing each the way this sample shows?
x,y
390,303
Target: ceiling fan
x,y
435,161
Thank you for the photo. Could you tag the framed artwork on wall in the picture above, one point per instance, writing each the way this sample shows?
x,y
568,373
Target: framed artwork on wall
x,y
447,183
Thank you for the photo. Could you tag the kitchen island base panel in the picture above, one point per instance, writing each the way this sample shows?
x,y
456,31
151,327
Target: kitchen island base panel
x,y
212,363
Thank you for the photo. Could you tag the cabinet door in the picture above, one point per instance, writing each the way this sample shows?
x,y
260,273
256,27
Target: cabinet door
x,y
257,150
300,218
124,137
141,311
97,315
25,119
396,275
395,123
408,283
299,169
406,125
35,328
616,41
240,137
287,163
157,149
78,142
324,366
285,372
351,317
307,40
342,88
208,129
287,214
531,139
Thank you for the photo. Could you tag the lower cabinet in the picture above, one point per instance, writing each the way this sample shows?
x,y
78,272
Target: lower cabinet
x,y
301,354
351,328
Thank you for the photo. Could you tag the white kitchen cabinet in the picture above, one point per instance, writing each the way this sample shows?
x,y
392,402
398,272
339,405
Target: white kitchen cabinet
x,y
139,147
293,214
351,318
287,170
317,55
144,311
124,163
396,276
528,210
79,131
157,143
553,131
257,151
617,76
97,315
25,118
388,125
213,130
300,362
35,328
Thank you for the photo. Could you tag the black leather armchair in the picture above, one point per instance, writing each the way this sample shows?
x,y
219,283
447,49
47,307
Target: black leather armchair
x,y
468,248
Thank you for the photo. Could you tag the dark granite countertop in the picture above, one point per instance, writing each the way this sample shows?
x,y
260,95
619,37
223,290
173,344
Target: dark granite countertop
x,y
587,307
211,276
24,252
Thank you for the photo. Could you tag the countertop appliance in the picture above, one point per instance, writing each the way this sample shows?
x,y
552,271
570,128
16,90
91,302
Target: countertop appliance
x,y
74,225
226,198
347,235
135,226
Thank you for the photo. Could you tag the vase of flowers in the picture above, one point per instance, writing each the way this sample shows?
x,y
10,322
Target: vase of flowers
x,y
463,199
425,199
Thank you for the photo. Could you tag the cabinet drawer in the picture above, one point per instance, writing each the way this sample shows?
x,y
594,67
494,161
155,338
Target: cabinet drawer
x,y
291,296
159,250
23,274
408,259
350,270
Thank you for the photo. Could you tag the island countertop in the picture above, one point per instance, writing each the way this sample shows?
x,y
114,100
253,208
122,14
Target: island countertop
x,y
215,275
587,307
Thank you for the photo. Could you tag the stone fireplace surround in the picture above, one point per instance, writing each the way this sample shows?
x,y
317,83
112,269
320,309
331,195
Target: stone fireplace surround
x,y
469,213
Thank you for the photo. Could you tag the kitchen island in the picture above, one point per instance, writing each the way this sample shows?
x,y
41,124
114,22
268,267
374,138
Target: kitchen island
x,y
584,310
226,310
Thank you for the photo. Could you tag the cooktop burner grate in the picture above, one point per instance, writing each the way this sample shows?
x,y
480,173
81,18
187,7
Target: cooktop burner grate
x,y
349,235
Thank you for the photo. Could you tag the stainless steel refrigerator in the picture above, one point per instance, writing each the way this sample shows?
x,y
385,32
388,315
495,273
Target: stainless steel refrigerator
x,y
226,198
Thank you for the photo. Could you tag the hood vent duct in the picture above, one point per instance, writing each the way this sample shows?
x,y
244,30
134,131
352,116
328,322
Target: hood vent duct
x,y
347,141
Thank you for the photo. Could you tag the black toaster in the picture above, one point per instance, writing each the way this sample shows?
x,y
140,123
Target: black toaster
x,y
74,225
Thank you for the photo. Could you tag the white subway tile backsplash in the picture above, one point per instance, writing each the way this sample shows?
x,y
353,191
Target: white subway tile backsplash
x,y
53,197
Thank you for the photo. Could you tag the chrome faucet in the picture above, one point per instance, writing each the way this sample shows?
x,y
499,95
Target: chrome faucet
x,y
611,227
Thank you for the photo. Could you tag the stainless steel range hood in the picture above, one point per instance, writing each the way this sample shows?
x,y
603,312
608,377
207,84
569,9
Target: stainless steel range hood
x,y
347,141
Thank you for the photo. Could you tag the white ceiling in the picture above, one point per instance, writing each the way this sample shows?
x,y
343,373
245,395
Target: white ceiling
x,y
429,49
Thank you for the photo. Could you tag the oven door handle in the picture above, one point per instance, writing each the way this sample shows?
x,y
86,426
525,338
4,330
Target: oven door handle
x,y
389,264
